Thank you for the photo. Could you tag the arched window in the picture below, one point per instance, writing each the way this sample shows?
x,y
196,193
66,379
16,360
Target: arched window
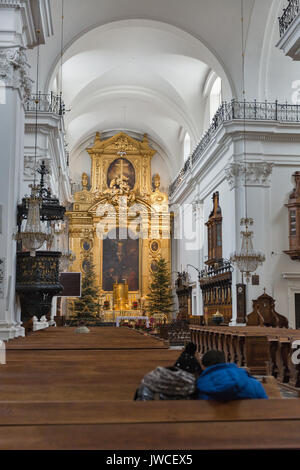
x,y
186,146
215,97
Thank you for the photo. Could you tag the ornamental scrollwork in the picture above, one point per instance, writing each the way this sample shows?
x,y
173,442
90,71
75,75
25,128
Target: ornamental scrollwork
x,y
251,173
14,69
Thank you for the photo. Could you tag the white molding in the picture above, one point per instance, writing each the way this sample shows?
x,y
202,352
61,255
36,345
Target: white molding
x,y
209,82
40,325
9,331
35,14
292,276
289,43
224,146
45,10
292,290
51,148
293,287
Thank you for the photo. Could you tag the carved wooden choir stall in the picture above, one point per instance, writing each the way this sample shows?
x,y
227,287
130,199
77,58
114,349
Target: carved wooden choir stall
x,y
294,220
184,294
215,282
264,313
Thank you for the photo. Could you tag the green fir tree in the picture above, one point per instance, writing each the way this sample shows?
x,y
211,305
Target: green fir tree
x,y
160,298
86,307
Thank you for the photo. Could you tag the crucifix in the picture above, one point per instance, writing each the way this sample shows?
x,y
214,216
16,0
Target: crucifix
x,y
121,165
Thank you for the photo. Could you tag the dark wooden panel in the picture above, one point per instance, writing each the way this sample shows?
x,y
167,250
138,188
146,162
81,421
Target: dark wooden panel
x,y
71,283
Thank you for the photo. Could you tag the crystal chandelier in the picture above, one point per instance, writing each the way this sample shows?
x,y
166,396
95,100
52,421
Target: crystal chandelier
x,y
66,259
33,237
247,260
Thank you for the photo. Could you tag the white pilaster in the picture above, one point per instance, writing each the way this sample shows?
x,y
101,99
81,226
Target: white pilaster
x,y
17,32
250,182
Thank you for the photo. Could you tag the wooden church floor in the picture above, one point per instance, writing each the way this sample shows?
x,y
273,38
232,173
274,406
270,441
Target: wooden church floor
x,y
60,390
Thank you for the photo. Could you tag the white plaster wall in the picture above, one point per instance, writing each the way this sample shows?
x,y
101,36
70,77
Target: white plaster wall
x,y
265,204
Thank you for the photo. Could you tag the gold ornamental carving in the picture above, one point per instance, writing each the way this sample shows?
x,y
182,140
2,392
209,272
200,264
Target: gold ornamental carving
x,y
120,196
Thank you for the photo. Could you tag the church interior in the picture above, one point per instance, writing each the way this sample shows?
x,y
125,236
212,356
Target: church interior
x,y
149,198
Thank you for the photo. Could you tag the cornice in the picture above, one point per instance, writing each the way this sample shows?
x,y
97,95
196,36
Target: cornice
x,y
230,133
35,14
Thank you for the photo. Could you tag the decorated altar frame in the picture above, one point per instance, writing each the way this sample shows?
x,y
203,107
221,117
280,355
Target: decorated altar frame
x,y
122,196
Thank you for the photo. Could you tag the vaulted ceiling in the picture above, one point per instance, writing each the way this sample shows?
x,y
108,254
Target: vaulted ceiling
x,y
148,67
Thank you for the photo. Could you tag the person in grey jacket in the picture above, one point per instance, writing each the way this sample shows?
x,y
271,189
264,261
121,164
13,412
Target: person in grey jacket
x,y
172,383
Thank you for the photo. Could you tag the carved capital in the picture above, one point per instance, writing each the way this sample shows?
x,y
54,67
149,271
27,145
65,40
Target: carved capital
x,y
14,70
252,173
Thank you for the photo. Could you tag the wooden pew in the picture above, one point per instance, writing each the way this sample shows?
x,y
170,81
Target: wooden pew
x,y
271,387
248,424
98,338
65,391
263,350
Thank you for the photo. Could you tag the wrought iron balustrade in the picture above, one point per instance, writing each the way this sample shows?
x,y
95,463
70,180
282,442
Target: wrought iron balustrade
x,y
288,16
238,110
46,103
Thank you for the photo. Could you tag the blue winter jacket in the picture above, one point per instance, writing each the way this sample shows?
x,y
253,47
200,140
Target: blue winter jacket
x,y
226,382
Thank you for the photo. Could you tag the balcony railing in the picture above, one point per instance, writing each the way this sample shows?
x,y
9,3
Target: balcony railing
x,y
223,267
238,110
289,14
46,103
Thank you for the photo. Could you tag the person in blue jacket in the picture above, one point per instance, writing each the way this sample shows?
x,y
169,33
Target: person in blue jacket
x,y
226,381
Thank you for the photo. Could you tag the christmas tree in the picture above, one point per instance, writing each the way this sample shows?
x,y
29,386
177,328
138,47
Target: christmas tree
x,y
86,307
160,297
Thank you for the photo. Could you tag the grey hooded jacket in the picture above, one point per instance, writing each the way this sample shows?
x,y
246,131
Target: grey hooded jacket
x,y
167,384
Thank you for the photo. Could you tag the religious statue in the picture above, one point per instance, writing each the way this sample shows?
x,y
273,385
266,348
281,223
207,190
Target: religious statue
x,y
119,185
84,181
156,182
157,197
120,180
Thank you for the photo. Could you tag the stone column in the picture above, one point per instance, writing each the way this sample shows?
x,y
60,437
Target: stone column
x,y
198,211
15,85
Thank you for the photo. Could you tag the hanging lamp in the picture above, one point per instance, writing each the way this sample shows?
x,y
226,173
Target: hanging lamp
x,y
33,237
247,260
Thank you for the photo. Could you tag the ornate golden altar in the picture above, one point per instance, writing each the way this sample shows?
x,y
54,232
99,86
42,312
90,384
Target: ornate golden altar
x,y
120,224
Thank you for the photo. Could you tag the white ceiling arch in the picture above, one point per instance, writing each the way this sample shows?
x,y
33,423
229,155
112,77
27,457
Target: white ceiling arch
x,y
121,105
144,75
